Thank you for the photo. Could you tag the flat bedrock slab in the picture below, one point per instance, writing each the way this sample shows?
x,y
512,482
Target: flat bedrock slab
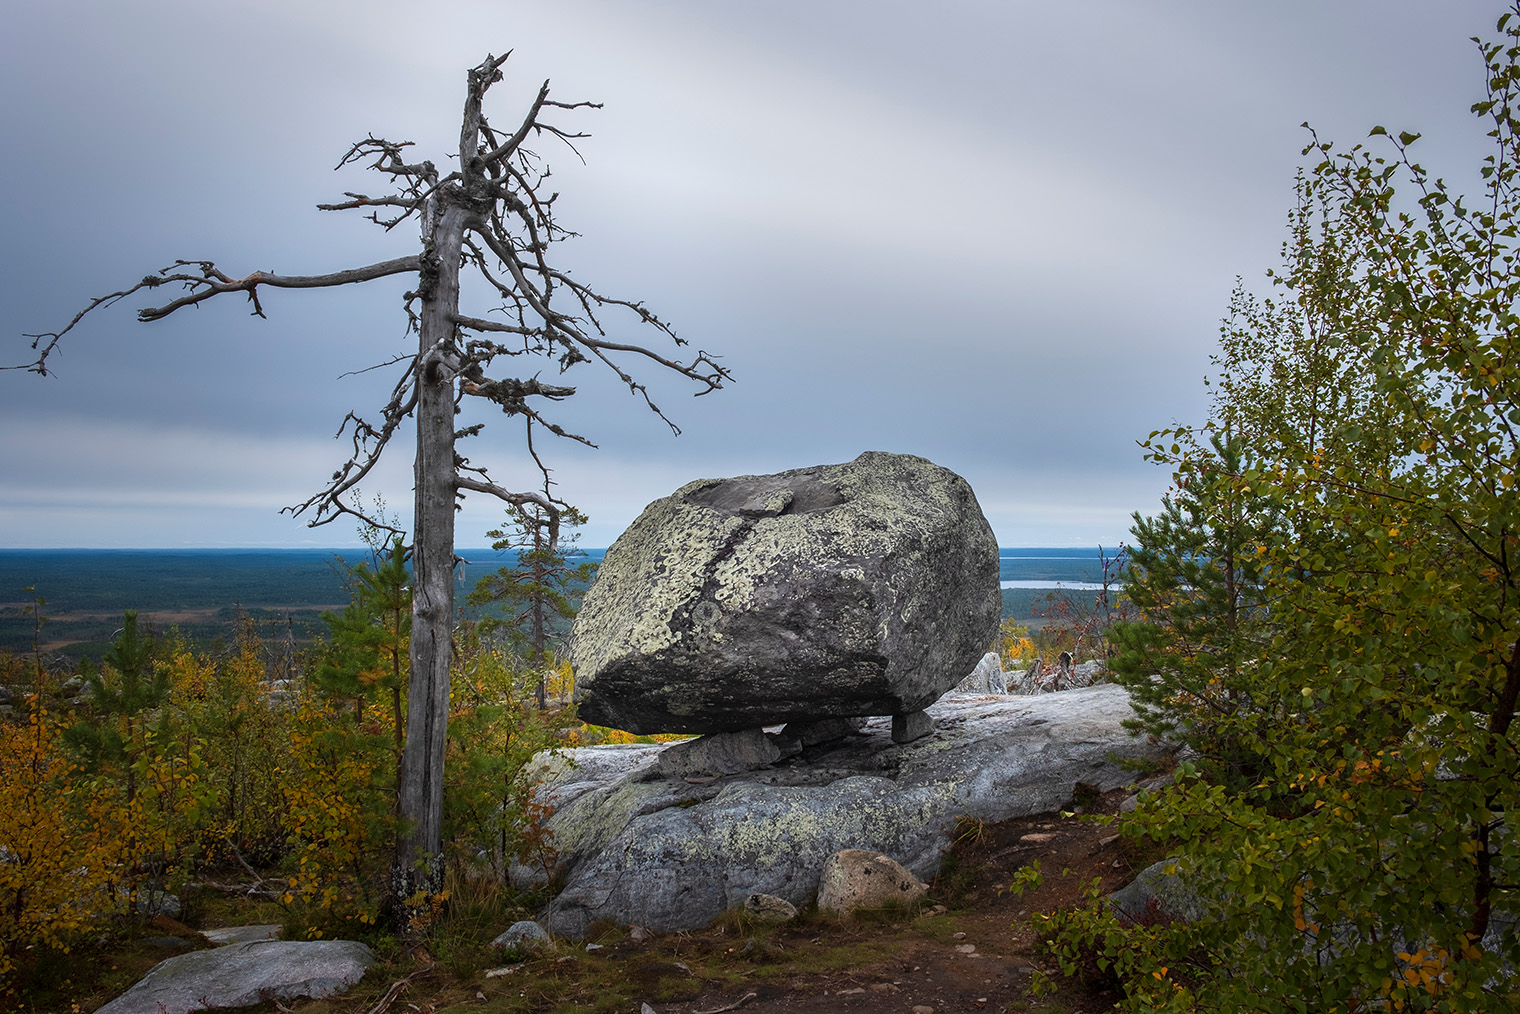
x,y
640,848
239,975
866,588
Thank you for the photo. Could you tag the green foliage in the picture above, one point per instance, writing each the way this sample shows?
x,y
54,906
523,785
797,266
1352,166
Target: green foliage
x,y
491,810
1365,436
536,591
122,694
244,738
1195,580
367,656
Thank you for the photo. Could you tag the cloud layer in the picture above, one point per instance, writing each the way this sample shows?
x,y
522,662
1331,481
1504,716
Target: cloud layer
x,y
996,234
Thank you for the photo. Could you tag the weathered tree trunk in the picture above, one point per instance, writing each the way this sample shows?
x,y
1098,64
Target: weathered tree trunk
x,y
418,865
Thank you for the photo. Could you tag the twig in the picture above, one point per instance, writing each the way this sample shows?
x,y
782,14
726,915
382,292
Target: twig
x,y
395,991
733,1006
244,890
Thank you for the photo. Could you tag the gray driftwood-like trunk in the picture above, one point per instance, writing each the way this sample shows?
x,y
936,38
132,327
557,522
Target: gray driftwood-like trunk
x,y
490,217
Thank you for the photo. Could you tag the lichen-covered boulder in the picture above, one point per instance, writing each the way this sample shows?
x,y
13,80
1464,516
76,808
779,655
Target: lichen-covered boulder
x,y
867,588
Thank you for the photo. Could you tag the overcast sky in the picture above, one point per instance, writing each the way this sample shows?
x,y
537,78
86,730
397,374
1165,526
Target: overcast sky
x,y
997,234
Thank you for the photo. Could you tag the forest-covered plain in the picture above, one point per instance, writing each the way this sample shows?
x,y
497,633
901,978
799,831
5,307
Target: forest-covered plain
x,y
204,594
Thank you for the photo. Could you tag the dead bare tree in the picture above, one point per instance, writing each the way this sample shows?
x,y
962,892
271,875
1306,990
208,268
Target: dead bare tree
x,y
490,215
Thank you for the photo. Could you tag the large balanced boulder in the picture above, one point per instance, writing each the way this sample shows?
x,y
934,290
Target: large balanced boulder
x,y
867,588
638,846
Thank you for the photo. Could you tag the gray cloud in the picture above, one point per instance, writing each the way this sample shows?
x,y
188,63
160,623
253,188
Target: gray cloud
x,y
997,234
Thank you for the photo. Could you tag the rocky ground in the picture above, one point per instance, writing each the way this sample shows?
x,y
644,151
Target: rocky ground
x,y
970,947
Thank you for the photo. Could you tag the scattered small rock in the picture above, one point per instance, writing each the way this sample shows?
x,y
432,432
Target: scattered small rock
x,y
986,678
521,936
966,948
769,908
855,878
920,1008
1037,838
638,934
158,903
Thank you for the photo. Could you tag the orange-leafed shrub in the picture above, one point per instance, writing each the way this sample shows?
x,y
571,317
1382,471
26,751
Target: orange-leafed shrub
x,y
60,845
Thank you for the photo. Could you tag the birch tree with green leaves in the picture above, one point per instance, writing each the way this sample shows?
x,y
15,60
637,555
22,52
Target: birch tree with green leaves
x,y
1372,860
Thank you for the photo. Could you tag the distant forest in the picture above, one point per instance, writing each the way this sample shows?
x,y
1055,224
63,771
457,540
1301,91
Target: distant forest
x,y
201,593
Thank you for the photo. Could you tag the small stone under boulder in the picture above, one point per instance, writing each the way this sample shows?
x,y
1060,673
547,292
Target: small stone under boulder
x,y
722,753
867,588
855,878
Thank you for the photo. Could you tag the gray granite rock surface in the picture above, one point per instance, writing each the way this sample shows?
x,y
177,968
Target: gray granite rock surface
x,y
865,588
671,854
239,975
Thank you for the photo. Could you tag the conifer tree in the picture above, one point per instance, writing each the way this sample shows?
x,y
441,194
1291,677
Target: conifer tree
x,y
370,639
126,688
535,591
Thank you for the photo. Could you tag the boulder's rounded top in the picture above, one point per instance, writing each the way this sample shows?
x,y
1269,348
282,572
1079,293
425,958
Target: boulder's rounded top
x,y
765,598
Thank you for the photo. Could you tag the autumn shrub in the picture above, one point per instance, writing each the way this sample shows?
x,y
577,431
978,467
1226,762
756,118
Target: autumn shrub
x,y
339,817
245,748
61,846
128,745
493,817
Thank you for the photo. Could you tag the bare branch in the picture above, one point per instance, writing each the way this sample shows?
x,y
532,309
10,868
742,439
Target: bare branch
x,y
368,444
477,324
529,121
519,499
39,365
365,201
212,282
378,366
